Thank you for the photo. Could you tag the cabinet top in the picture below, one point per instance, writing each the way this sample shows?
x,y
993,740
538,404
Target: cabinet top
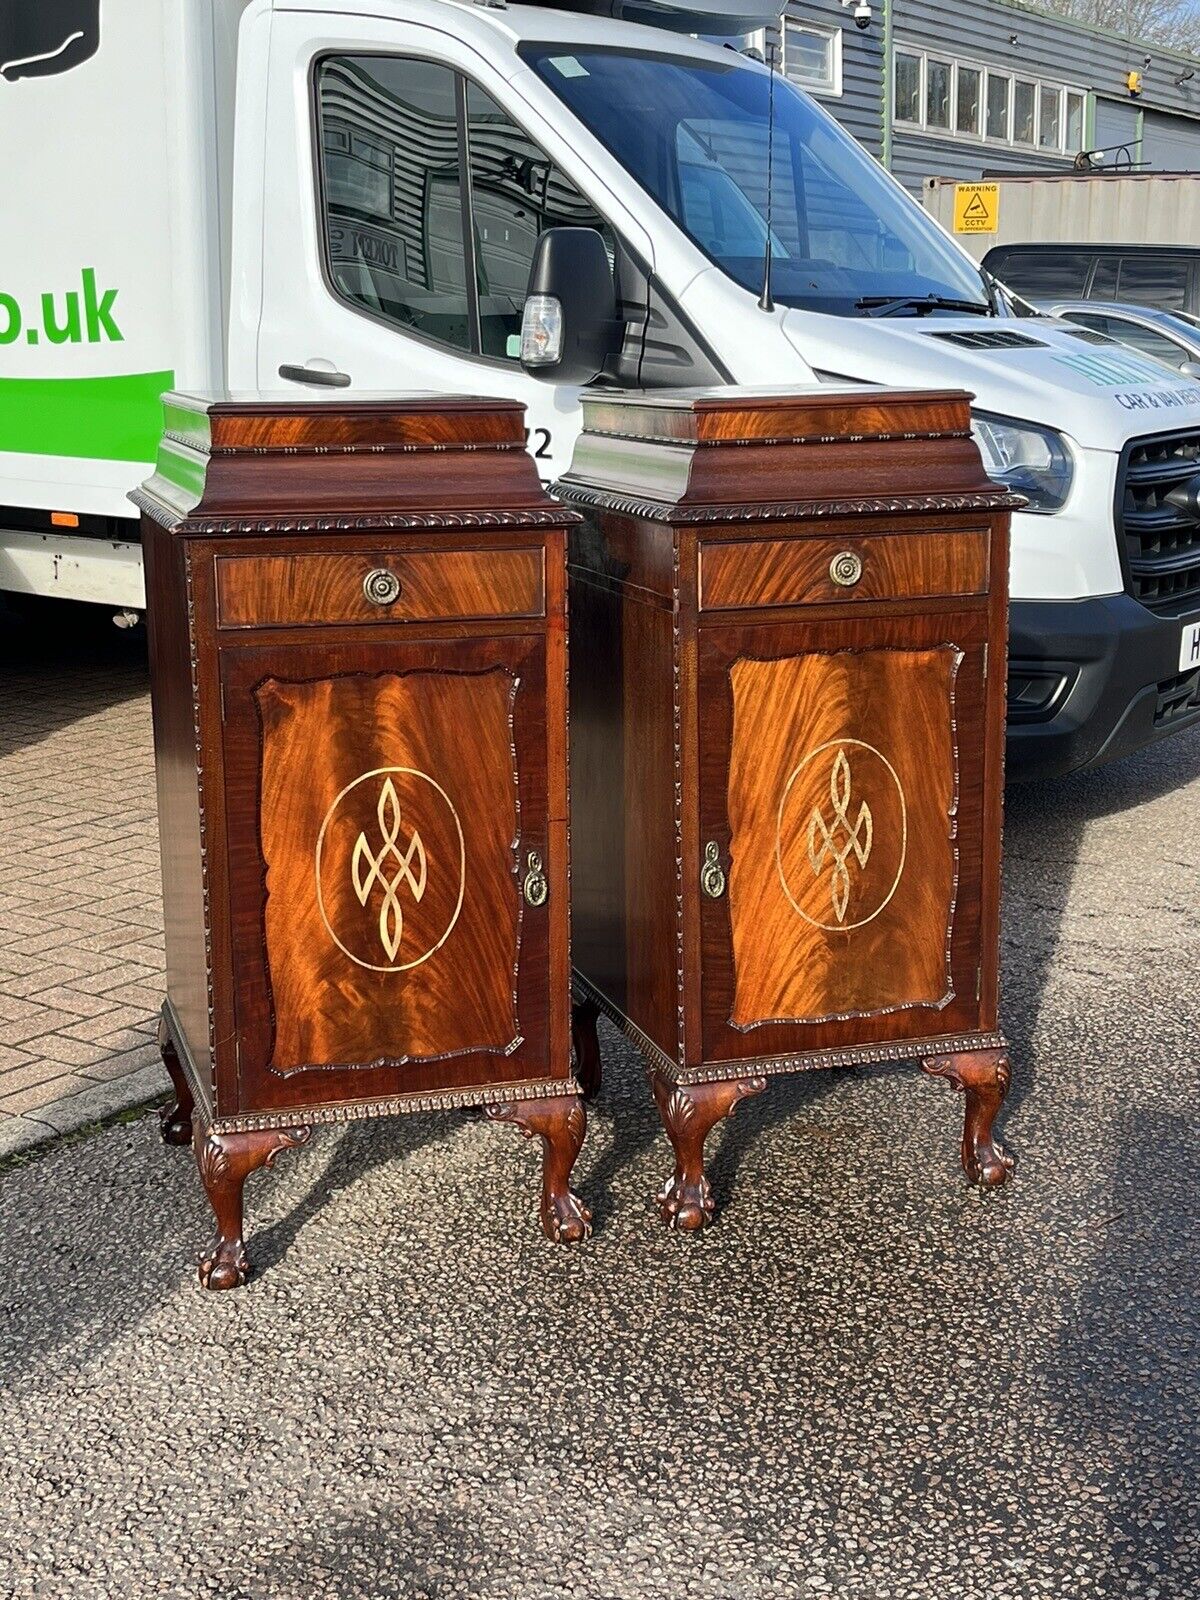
x,y
737,455
817,413
237,464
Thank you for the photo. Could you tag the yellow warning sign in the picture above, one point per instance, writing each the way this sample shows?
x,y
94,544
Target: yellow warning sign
x,y
976,207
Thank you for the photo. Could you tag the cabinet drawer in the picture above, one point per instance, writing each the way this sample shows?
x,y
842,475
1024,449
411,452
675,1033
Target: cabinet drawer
x,y
415,586
885,566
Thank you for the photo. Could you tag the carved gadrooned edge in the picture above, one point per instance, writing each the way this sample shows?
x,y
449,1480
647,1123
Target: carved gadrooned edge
x,y
394,448
555,516
399,1105
575,493
786,438
584,990
864,1055
194,668
202,1092
677,796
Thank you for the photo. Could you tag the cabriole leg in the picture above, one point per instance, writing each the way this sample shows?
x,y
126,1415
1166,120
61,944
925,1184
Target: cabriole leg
x,y
175,1120
983,1077
586,1040
225,1161
689,1113
560,1123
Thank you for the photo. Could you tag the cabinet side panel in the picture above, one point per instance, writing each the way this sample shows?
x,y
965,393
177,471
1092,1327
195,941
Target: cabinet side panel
x,y
175,756
623,836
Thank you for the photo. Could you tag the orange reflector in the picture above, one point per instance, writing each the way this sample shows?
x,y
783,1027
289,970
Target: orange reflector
x,y
64,519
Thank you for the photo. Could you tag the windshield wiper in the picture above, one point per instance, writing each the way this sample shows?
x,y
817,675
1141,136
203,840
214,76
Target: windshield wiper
x,y
886,305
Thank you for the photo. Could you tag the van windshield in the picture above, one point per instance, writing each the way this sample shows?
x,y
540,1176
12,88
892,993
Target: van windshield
x,y
693,133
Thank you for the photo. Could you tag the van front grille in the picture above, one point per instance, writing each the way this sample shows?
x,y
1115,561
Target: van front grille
x,y
1158,520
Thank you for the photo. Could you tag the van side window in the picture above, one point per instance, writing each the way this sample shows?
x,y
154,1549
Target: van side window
x,y
1154,280
1041,275
392,200
1148,340
404,225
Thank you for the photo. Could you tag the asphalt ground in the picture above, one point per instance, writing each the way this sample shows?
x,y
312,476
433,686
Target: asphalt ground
x,y
867,1381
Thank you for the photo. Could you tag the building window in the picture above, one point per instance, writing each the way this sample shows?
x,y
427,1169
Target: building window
x,y
999,101
1074,129
812,56
1049,118
1024,111
966,100
937,93
908,87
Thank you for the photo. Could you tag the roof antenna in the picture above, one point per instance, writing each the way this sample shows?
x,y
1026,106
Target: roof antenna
x,y
766,303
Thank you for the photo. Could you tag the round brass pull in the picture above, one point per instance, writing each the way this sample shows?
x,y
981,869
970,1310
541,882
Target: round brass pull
x,y
381,587
846,569
536,887
712,878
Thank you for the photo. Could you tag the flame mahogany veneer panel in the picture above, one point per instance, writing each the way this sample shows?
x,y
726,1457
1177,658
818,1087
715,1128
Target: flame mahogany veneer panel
x,y
392,918
796,571
842,793
267,591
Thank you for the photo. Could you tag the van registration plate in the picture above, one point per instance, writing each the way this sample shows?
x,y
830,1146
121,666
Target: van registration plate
x,y
1189,647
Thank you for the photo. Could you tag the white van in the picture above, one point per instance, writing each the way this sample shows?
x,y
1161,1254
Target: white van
x,y
292,194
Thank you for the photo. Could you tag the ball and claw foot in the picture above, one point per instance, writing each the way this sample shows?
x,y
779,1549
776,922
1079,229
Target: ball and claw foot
x,y
689,1113
560,1122
175,1120
586,1040
686,1206
225,1161
983,1077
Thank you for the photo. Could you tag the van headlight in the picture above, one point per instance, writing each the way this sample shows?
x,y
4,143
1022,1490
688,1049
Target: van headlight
x,y
1034,461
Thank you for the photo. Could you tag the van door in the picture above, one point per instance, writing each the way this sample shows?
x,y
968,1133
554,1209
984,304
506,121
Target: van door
x,y
402,203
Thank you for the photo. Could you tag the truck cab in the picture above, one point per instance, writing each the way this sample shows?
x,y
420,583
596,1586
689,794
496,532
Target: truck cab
x,y
381,184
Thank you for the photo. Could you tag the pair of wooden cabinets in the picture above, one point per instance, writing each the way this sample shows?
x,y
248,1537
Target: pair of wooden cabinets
x,y
785,744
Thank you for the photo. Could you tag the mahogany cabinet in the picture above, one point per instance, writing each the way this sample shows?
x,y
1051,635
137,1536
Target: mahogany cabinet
x,y
358,659
788,620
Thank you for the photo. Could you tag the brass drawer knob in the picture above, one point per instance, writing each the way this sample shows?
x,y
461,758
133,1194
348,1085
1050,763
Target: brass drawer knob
x,y
846,569
536,887
712,878
381,587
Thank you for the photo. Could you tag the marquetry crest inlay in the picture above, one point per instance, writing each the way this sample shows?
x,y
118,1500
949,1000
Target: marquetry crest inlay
x,y
844,801
390,868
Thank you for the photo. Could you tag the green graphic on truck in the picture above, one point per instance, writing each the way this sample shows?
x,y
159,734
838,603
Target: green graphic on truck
x,y
78,316
113,418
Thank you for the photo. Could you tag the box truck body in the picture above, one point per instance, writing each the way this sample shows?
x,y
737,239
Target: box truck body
x,y
114,269
296,195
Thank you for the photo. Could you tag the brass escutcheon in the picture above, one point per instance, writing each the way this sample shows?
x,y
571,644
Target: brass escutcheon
x,y
712,878
846,569
381,587
536,887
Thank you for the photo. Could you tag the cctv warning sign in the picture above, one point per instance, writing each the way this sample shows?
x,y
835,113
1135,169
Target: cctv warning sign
x,y
976,207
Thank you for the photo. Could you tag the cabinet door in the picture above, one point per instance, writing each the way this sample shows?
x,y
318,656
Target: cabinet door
x,y
383,803
841,793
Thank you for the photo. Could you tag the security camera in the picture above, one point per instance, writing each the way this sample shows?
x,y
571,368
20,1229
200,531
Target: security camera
x,y
861,14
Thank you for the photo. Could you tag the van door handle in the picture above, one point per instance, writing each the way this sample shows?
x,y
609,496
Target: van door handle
x,y
317,375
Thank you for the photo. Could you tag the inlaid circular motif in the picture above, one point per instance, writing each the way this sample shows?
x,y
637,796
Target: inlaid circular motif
x,y
390,866
841,835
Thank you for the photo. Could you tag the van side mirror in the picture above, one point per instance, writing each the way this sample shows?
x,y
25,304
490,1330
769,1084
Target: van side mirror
x,y
1190,369
569,327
